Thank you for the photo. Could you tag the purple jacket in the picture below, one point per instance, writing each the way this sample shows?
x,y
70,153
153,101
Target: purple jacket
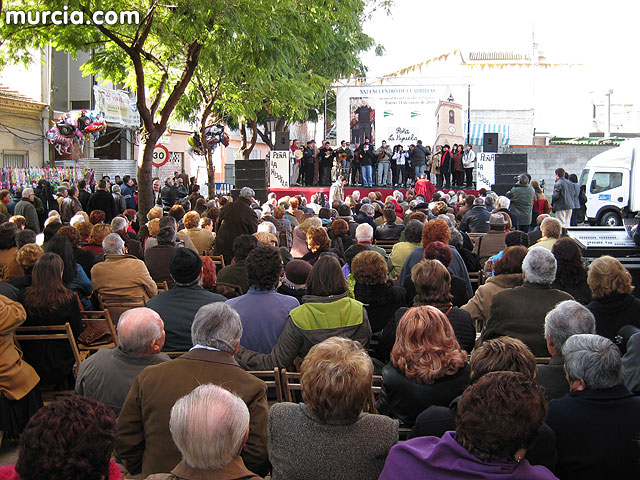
x,y
444,458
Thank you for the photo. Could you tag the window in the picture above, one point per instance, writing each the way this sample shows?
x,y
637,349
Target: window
x,y
605,181
12,158
583,177
452,116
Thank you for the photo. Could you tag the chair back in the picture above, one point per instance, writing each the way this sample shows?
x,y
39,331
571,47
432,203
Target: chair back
x,y
386,245
272,379
51,332
162,286
98,323
116,305
291,388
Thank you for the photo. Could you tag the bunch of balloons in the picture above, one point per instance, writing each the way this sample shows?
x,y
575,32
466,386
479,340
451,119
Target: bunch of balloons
x,y
69,128
214,135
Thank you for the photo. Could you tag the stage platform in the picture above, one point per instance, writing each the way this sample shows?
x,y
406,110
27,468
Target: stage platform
x,y
308,191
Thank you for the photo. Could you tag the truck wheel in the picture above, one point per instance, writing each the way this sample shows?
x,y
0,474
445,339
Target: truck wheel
x,y
611,219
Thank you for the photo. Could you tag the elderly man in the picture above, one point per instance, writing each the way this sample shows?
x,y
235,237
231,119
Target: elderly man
x,y
121,274
597,425
520,312
568,318
144,441
477,219
521,196
182,239
262,310
120,226
158,258
26,208
364,236
107,375
179,305
207,409
235,219
366,215
551,229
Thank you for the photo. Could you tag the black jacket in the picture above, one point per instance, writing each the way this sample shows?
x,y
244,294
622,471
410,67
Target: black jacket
x,y
476,220
552,377
103,200
381,302
168,196
84,196
613,312
389,231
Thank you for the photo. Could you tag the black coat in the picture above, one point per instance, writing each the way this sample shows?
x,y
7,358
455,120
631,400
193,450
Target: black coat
x,y
235,218
552,377
476,220
381,302
579,291
597,434
168,197
389,231
404,399
103,200
84,196
614,312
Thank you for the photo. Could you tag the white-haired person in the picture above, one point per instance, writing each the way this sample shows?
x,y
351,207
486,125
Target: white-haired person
x,y
520,312
336,382
210,427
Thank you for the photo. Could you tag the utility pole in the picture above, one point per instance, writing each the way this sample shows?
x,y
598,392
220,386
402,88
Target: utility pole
x,y
609,113
468,114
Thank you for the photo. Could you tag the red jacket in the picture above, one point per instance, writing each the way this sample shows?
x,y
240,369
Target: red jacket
x,y
425,187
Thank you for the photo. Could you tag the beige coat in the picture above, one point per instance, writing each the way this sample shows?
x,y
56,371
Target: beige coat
x,y
17,378
9,267
480,305
201,238
123,275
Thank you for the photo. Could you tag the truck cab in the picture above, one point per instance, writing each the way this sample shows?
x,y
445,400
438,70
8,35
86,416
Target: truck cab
x,y
611,183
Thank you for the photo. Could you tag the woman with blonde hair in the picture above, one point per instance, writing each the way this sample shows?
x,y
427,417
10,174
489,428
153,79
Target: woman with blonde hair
x,y
202,238
299,248
612,304
318,242
428,367
98,234
336,382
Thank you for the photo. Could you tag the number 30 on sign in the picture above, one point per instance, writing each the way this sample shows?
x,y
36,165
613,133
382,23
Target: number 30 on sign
x,y
160,155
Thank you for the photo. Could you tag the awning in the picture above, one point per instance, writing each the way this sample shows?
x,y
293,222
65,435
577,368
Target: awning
x,y
479,129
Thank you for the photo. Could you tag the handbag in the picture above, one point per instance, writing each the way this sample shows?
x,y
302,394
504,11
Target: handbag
x,y
94,335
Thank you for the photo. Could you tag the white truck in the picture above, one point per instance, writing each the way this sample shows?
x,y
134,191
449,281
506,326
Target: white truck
x,y
612,182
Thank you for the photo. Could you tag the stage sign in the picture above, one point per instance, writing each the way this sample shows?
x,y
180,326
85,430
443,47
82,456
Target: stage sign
x,y
279,169
486,175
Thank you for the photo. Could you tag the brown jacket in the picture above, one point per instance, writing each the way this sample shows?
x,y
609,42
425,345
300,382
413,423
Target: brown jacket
x,y
9,267
144,441
490,244
123,275
236,218
480,305
17,378
201,238
232,471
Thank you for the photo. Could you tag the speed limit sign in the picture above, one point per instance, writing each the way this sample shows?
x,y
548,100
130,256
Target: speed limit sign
x,y
160,155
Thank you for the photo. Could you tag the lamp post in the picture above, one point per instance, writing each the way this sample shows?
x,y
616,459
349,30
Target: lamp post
x,y
608,94
270,125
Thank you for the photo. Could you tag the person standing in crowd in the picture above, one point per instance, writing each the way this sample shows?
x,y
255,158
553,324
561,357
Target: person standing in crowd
x,y
469,162
101,199
25,207
121,205
367,156
336,193
345,158
308,163
70,205
445,168
457,169
562,200
384,163
168,194
296,159
83,194
433,165
522,196
326,156
157,196
235,219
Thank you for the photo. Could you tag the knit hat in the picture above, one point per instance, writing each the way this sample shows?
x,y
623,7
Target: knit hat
x,y
297,272
185,266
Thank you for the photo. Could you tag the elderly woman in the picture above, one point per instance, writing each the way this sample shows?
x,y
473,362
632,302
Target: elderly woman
x,y
299,248
428,367
551,229
508,274
97,216
432,281
498,418
26,257
98,234
9,267
326,311
84,230
571,276
340,238
613,306
336,382
318,242
374,289
70,438
401,250
19,395
201,237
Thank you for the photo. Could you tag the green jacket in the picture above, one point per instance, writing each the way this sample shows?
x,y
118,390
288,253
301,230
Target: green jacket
x,y
317,319
521,197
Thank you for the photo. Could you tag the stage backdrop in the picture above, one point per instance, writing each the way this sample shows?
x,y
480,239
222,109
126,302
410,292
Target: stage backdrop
x,y
397,114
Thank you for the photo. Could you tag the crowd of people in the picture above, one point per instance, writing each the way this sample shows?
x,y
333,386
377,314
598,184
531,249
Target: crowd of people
x,y
362,164
499,354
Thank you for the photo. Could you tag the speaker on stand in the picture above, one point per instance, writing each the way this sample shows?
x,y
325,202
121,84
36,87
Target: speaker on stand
x,y
490,143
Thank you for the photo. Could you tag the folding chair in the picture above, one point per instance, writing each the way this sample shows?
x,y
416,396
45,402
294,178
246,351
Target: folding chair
x,y
98,320
116,305
162,286
291,388
51,332
272,379
387,245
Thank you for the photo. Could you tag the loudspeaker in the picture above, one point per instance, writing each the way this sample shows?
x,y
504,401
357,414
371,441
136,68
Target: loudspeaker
x,y
502,188
282,141
251,173
509,166
490,143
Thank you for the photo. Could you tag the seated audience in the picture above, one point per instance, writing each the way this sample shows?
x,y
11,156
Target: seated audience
x,y
26,257
389,230
179,305
318,242
9,267
120,226
23,237
236,273
597,425
551,229
374,289
182,240
613,305
73,276
262,310
494,240
121,274
158,258
97,235
19,395
364,236
508,274
144,443
402,249
340,238
202,238
535,234
294,281
336,382
71,438
85,258
631,364
107,375
299,246
209,426
476,220
512,239
566,319
498,418
571,276
284,228
326,311
519,312
427,366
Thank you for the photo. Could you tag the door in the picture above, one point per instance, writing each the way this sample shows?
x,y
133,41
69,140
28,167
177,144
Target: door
x,y
606,187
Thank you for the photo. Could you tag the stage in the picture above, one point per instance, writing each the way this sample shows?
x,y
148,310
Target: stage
x,y
308,191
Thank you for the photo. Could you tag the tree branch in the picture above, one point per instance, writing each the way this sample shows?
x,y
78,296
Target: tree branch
x,y
159,93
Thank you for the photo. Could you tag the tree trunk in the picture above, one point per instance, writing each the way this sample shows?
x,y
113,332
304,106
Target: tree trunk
x,y
247,149
145,171
211,173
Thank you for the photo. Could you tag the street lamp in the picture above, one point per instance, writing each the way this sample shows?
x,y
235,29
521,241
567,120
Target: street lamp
x,y
270,123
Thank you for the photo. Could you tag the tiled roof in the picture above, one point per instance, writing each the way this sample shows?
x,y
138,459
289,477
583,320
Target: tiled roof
x,y
8,94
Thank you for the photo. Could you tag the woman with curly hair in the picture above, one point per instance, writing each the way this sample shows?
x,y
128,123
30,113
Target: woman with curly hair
x,y
26,257
340,238
428,367
98,234
374,289
318,242
68,439
202,238
299,248
571,276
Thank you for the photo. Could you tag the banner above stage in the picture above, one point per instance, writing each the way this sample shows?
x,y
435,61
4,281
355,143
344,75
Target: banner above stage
x,y
398,114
